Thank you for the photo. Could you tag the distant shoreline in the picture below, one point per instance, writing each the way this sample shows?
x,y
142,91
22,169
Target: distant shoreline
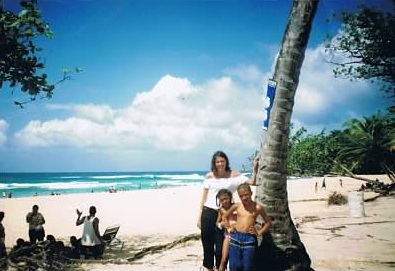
x,y
31,184
21,185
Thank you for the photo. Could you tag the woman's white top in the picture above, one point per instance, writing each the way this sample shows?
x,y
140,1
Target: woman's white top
x,y
215,184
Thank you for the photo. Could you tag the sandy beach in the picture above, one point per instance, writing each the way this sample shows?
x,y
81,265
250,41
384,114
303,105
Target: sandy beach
x,y
334,240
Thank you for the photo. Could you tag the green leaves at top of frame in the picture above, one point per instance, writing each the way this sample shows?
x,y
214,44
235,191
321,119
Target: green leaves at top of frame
x,y
20,65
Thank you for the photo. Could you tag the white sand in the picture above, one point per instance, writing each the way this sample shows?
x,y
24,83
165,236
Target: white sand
x,y
169,211
333,240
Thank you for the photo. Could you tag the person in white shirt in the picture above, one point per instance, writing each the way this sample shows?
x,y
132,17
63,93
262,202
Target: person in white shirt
x,y
91,241
220,177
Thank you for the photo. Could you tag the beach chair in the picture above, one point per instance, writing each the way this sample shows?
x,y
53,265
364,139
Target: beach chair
x,y
110,237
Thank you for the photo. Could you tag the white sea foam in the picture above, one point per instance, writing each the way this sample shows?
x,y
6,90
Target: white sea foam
x,y
62,185
181,177
22,185
113,177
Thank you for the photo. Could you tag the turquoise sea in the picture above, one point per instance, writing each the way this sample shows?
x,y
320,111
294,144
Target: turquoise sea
x,y
30,184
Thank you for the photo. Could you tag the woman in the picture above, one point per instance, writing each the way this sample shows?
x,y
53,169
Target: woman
x,y
220,177
36,229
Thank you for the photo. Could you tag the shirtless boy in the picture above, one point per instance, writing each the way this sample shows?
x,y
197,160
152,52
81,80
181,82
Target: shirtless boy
x,y
243,240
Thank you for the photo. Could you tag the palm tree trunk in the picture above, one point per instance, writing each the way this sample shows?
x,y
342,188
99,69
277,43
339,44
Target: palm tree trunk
x,y
282,249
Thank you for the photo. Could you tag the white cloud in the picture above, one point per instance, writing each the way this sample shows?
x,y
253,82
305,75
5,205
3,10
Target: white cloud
x,y
3,128
95,113
245,72
323,101
173,115
222,113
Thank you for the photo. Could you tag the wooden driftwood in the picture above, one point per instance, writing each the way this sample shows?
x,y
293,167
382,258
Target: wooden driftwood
x,y
389,172
159,248
348,173
375,185
42,257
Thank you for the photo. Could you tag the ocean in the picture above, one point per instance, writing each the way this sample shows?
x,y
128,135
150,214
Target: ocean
x,y
30,184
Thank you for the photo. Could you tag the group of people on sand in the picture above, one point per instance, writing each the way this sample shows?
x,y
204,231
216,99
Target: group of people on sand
x,y
229,234
228,230
90,245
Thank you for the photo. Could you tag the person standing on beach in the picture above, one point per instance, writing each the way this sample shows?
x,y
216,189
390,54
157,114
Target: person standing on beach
x,y
243,240
323,184
3,251
221,176
91,240
36,221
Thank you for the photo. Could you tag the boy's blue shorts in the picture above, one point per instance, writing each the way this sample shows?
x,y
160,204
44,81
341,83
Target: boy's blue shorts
x,y
241,251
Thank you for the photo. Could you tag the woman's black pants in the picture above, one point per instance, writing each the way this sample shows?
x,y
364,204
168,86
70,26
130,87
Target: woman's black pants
x,y
212,238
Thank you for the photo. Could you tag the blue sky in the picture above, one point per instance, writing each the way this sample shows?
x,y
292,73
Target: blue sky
x,y
167,83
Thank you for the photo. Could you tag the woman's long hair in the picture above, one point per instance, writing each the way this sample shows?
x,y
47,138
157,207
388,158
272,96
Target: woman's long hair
x,y
222,155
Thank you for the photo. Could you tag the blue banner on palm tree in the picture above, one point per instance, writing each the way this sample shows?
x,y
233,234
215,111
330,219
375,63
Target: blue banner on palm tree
x,y
268,103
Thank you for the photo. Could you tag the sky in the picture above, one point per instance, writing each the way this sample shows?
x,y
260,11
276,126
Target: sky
x,y
167,83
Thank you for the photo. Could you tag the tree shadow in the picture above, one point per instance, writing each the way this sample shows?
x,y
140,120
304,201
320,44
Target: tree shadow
x,y
270,257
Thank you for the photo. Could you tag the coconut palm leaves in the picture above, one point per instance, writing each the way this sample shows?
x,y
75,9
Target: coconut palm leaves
x,y
368,142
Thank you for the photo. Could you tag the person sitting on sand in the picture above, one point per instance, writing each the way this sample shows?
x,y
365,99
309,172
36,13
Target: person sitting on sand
x,y
20,243
21,248
91,241
75,250
243,240
53,246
